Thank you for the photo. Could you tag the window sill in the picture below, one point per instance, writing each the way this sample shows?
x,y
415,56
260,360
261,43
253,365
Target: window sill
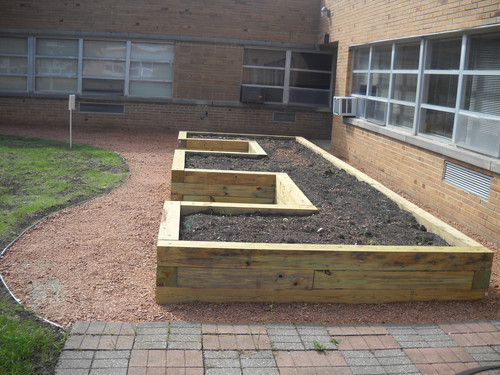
x,y
440,147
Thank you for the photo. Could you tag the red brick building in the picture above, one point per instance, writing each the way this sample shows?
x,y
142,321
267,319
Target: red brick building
x,y
425,77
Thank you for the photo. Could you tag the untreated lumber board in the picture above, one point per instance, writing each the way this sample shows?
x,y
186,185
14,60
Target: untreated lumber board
x,y
189,277
214,176
176,294
223,208
211,189
228,199
355,280
216,144
170,221
321,257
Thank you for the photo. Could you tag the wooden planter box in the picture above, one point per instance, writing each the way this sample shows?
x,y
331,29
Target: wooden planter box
x,y
230,271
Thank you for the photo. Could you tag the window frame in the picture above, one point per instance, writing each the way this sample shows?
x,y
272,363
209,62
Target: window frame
x,y
423,73
288,70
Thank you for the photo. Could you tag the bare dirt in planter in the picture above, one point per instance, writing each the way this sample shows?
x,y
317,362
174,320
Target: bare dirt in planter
x,y
350,212
96,261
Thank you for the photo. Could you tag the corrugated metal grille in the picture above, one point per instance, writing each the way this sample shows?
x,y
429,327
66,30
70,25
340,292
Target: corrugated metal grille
x,y
468,180
283,117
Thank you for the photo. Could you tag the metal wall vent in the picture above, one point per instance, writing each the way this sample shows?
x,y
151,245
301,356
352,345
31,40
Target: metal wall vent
x,y
102,108
284,117
468,180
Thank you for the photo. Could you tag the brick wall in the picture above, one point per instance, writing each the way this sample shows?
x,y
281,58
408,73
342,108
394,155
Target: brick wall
x,y
410,169
207,71
175,117
293,21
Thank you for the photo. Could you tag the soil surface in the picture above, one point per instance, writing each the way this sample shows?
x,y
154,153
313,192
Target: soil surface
x,y
351,212
96,261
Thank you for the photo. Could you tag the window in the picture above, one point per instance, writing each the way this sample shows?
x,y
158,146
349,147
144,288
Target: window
x,y
56,68
286,77
13,64
104,67
445,88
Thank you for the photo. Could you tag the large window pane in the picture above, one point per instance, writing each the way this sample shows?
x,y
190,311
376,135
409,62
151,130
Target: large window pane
x,y
437,123
401,115
267,77
150,89
381,57
380,85
484,52
104,49
361,58
441,89
444,53
359,83
152,52
56,66
375,111
104,68
313,97
405,87
482,94
310,80
13,65
13,83
13,46
102,86
55,84
407,56
262,57
478,134
151,70
311,61
56,47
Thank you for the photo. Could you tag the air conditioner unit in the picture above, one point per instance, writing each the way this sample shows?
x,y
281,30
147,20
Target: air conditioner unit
x,y
252,94
344,106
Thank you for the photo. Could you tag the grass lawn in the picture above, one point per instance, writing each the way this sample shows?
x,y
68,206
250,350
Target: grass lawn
x,y
39,177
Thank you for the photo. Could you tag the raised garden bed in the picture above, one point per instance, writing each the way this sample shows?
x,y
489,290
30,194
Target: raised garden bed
x,y
284,272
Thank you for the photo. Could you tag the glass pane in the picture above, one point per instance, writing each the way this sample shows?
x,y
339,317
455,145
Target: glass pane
x,y
407,56
12,83
441,89
404,87
482,94
309,97
482,135
55,84
152,52
98,48
268,77
359,83
381,57
55,47
13,65
437,123
380,85
444,54
484,52
310,80
361,58
262,57
56,66
375,111
151,89
401,115
13,46
311,61
102,86
104,68
150,70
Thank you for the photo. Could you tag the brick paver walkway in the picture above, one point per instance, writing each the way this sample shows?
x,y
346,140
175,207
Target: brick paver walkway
x,y
186,348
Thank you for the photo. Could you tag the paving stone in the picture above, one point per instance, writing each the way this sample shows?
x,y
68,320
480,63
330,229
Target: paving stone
x,y
77,354
72,371
420,336
74,363
186,345
108,371
496,324
110,363
80,328
223,371
254,359
73,342
95,328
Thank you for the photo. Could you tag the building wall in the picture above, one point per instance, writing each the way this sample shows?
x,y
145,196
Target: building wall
x,y
171,117
292,21
415,171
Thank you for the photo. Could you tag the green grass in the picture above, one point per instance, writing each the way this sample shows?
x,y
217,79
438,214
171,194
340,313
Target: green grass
x,y
39,177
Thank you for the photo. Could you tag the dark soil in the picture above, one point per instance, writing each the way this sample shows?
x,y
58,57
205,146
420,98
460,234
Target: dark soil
x,y
350,211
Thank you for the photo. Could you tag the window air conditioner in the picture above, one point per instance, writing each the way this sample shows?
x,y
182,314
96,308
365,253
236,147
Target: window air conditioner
x,y
344,106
